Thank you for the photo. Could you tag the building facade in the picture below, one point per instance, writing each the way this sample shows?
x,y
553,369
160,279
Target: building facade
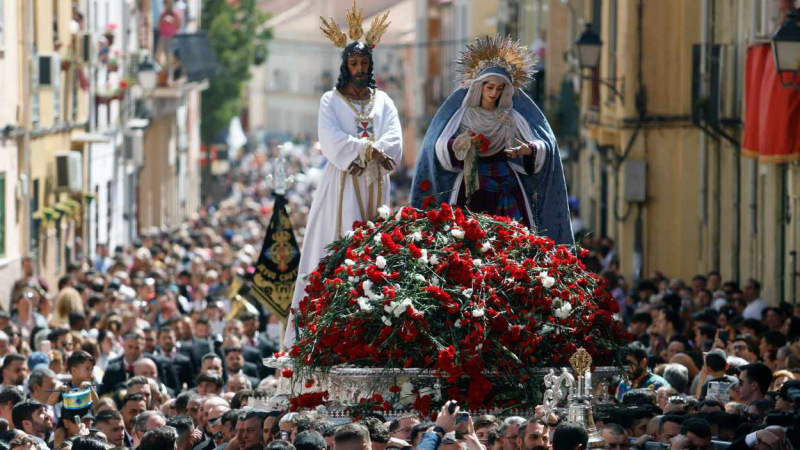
x,y
88,156
10,96
661,168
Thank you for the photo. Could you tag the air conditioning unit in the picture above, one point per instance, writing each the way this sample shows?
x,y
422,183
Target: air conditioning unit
x,y
49,69
69,171
133,147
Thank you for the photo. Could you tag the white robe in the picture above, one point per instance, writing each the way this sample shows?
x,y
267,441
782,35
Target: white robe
x,y
337,131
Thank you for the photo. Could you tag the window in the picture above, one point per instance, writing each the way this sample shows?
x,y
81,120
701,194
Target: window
x,y
35,223
2,214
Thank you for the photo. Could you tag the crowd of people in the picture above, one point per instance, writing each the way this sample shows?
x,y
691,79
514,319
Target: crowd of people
x,y
151,332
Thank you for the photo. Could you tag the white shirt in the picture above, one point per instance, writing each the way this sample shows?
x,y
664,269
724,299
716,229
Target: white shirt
x,y
753,310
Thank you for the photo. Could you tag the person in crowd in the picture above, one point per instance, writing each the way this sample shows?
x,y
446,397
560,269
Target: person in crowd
x,y
31,417
159,438
754,381
570,436
146,420
639,375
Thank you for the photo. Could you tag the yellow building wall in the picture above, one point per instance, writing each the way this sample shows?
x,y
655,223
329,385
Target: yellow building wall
x,y
671,231
484,17
44,147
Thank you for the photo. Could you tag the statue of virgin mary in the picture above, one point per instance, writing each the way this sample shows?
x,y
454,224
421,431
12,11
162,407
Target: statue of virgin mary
x,y
490,148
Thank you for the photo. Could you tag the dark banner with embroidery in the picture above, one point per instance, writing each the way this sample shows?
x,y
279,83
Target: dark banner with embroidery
x,y
276,269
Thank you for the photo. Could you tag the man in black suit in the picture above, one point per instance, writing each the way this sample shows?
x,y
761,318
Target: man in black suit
x,y
181,363
254,338
201,344
120,369
233,338
235,364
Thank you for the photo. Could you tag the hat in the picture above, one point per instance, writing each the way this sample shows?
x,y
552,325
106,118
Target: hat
x,y
38,360
76,400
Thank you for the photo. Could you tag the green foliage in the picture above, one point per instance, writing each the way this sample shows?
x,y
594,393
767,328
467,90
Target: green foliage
x,y
239,38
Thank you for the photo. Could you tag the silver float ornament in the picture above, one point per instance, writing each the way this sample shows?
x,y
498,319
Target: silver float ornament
x,y
278,179
580,398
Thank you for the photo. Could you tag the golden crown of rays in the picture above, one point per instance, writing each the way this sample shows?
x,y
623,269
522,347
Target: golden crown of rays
x,y
355,17
497,51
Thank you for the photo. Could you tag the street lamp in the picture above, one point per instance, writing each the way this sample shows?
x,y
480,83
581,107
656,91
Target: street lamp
x,y
147,74
786,50
589,46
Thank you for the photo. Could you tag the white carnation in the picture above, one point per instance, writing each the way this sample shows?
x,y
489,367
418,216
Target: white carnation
x,y
458,234
564,311
485,247
416,236
384,212
371,224
380,261
369,292
477,312
364,304
424,258
349,262
386,321
457,324
467,292
547,280
419,277
377,238
477,262
433,260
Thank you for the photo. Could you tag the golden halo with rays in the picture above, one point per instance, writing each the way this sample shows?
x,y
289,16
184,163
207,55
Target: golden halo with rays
x,y
355,17
496,51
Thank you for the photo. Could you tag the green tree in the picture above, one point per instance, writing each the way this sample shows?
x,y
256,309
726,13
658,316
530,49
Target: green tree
x,y
237,33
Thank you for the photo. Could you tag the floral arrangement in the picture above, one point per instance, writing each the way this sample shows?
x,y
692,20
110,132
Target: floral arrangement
x,y
478,301
480,142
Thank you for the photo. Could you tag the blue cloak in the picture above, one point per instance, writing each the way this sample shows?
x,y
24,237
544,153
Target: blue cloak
x,y
548,186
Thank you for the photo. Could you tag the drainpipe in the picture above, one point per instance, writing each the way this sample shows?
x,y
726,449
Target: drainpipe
x,y
703,181
25,148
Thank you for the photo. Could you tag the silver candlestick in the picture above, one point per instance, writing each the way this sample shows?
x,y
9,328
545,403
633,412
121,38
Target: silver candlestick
x,y
278,180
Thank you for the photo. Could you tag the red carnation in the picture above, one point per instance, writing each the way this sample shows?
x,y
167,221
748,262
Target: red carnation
x,y
287,373
425,185
427,201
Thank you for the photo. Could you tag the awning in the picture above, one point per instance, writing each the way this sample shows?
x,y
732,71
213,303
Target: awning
x,y
772,111
196,56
